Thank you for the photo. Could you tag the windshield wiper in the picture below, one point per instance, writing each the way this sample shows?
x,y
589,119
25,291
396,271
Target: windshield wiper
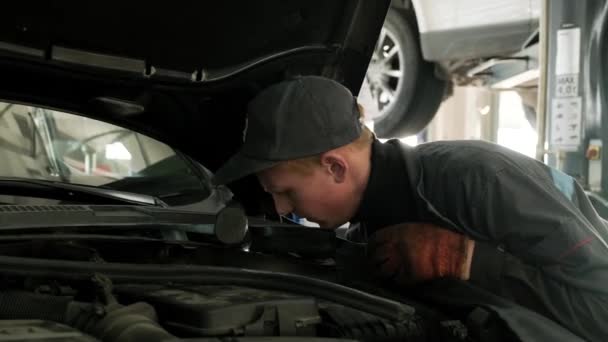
x,y
74,192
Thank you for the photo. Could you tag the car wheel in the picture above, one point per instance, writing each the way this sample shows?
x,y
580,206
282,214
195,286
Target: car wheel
x,y
405,93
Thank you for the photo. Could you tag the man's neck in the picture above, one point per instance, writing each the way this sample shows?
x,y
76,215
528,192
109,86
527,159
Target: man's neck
x,y
364,175
386,196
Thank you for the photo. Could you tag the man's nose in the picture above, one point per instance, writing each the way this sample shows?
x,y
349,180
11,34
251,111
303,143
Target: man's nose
x,y
282,205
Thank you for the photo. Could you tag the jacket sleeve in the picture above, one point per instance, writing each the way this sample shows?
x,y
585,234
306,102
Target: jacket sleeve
x,y
581,311
533,218
545,248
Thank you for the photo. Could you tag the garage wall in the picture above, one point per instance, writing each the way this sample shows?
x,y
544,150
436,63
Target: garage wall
x,y
468,114
457,118
479,113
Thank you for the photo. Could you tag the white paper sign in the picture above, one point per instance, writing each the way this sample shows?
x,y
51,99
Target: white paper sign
x,y
566,121
568,51
566,86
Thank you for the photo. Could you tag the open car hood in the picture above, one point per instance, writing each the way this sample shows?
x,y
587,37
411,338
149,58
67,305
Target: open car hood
x,y
181,72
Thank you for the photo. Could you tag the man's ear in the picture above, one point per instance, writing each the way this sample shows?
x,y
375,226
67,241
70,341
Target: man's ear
x,y
336,165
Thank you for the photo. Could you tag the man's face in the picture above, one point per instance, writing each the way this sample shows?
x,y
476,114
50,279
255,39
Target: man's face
x,y
316,195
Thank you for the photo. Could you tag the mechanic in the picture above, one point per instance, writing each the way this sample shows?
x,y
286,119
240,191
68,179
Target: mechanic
x,y
470,211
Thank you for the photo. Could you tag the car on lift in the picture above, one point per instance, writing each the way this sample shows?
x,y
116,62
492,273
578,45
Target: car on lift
x,y
427,46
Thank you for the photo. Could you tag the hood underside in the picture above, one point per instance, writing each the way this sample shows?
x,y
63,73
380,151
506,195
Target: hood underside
x,y
181,72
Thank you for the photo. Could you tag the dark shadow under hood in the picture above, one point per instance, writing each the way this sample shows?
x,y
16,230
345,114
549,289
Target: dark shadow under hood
x,y
181,72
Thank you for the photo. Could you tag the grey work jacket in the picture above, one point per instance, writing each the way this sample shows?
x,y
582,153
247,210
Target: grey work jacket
x,y
540,241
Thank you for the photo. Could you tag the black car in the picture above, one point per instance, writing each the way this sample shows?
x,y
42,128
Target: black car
x,y
113,117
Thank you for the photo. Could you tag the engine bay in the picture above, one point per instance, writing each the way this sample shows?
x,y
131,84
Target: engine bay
x,y
164,312
116,280
203,294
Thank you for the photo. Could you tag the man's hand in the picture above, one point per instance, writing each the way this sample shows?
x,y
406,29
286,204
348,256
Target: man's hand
x,y
414,252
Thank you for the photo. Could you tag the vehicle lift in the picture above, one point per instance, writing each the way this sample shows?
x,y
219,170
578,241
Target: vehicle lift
x,y
564,63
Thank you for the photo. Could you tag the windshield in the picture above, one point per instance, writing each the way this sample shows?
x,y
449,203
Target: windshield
x,y
43,144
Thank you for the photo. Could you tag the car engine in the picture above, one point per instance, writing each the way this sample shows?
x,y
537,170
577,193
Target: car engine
x,y
171,312
73,283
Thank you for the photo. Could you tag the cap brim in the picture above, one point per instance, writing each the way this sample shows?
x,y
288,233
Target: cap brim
x,y
240,166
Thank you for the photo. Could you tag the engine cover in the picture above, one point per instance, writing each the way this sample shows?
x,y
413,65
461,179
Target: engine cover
x,y
226,310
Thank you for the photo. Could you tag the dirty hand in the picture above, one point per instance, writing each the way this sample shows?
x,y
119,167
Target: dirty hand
x,y
414,252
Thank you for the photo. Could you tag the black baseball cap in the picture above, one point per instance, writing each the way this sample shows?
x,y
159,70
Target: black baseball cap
x,y
298,118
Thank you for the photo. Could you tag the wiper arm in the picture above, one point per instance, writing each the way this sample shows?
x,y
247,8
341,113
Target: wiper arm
x,y
74,192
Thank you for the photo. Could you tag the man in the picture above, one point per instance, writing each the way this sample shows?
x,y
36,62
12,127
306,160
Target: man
x,y
469,211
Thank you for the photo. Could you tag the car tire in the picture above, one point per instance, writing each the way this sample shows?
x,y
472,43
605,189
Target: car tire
x,y
418,96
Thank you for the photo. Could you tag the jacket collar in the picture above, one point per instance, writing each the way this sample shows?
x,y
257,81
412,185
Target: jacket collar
x,y
389,197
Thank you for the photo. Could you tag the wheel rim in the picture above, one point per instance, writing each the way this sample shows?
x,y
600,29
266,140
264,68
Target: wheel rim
x,y
385,72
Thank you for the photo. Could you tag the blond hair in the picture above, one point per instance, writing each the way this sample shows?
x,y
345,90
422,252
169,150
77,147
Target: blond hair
x,y
305,165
